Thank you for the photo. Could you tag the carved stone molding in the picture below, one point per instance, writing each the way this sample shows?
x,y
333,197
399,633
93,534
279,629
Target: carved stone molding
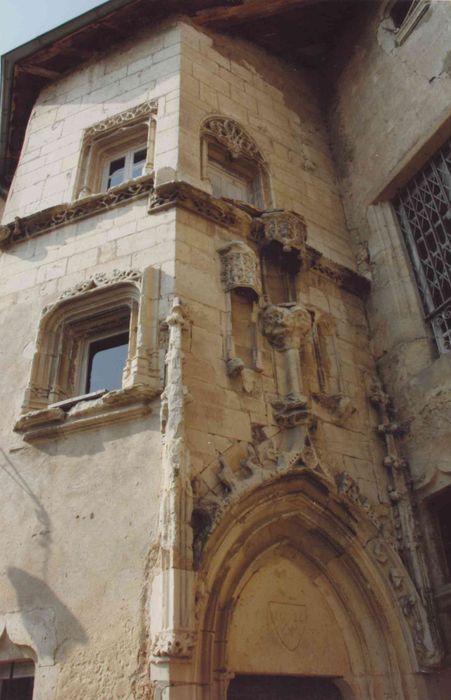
x,y
285,326
231,135
174,643
85,412
62,214
342,276
191,198
239,267
286,227
122,119
417,616
100,279
347,486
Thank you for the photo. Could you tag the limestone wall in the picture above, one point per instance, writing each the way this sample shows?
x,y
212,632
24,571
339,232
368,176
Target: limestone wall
x,y
280,110
80,511
143,69
279,107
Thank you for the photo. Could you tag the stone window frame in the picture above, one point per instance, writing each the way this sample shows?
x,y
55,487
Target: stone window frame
x,y
52,402
111,137
415,13
228,136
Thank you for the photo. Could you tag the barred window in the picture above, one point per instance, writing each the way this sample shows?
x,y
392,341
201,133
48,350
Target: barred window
x,y
423,208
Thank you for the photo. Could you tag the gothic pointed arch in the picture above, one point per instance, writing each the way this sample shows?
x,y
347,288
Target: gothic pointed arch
x,y
232,163
296,579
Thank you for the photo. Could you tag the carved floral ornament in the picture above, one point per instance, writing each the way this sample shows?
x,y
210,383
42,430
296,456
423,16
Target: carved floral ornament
x,y
231,135
286,227
240,267
128,116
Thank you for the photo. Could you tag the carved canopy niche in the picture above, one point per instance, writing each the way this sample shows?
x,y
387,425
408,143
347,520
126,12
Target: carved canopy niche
x,y
232,164
241,280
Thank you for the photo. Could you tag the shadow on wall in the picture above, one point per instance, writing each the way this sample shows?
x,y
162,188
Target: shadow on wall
x,y
44,538
33,594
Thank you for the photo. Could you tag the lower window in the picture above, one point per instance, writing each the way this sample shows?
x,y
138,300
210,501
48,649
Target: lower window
x,y
16,680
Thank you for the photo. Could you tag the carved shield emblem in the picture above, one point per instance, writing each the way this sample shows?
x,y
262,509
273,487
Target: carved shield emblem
x,y
288,620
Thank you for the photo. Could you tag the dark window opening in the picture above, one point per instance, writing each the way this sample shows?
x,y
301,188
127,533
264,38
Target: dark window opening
x,y
279,274
399,11
106,361
16,680
423,208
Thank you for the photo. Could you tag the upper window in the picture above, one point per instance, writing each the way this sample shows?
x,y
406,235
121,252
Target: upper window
x,y
117,150
423,208
126,166
233,164
405,15
16,680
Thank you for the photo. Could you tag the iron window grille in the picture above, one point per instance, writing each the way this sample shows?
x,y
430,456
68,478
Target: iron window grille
x,y
423,209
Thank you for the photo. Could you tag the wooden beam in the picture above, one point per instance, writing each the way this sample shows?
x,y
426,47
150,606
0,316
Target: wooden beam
x,y
38,70
250,10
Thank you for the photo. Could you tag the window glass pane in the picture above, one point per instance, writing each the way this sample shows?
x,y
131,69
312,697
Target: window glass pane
x,y
106,361
116,172
139,161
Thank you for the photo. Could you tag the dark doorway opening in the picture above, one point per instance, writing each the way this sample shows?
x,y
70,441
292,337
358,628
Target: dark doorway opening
x,y
282,688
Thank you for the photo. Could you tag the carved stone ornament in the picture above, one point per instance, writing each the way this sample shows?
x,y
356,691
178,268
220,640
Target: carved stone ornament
x,y
69,213
290,410
181,194
174,643
122,119
100,279
285,326
240,267
231,135
287,228
347,486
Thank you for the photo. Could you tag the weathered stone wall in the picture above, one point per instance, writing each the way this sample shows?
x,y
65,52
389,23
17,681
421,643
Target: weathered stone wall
x,y
143,69
389,113
80,511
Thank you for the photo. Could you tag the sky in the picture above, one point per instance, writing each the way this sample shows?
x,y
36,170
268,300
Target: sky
x,y
22,20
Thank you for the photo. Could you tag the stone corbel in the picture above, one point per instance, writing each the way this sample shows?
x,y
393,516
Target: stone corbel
x,y
286,227
240,270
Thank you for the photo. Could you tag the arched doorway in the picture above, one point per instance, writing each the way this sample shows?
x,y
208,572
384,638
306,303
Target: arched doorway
x,y
289,586
282,688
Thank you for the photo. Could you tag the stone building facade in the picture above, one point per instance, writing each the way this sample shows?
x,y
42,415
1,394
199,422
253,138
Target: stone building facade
x,y
225,428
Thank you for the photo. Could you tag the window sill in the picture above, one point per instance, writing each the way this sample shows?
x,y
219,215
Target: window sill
x,y
84,412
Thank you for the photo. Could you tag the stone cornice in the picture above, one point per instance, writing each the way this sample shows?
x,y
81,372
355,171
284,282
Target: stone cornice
x,y
22,229
172,194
